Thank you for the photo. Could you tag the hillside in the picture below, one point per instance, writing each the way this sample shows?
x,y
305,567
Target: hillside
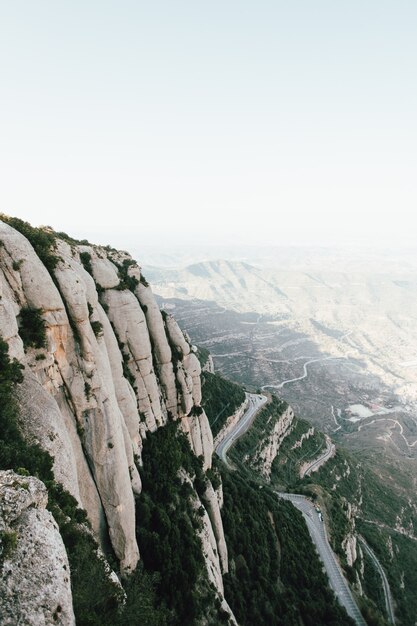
x,y
109,502
102,372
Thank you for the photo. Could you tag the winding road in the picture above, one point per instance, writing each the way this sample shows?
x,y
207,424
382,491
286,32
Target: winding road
x,y
315,526
255,402
317,463
305,374
318,534
389,605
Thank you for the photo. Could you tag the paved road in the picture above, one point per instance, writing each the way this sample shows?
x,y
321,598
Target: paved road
x,y
387,591
314,465
255,402
315,526
319,536
305,372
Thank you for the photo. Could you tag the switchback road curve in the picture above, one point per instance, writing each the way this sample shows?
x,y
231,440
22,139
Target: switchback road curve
x,y
255,403
387,591
318,534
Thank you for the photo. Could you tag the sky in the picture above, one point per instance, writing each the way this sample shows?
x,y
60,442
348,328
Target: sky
x,y
223,122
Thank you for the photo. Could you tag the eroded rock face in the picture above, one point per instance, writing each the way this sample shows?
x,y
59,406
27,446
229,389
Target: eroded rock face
x,y
349,543
35,586
112,369
270,446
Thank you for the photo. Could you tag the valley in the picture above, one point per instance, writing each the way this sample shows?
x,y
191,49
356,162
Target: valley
x,y
339,347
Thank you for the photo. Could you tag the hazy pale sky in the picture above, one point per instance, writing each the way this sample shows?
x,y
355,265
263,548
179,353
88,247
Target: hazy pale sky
x,y
220,121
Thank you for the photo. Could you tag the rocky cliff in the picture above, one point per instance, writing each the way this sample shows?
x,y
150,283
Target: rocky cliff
x,y
33,553
102,369
269,447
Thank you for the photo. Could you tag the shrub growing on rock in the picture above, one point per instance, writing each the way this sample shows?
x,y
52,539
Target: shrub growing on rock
x,y
32,328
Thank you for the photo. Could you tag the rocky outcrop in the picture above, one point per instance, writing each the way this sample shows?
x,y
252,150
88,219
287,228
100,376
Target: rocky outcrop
x,y
269,448
35,587
213,545
349,543
209,365
309,433
111,369
212,505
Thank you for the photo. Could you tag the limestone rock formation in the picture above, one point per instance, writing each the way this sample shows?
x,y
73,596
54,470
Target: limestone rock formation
x,y
269,448
35,587
110,369
349,543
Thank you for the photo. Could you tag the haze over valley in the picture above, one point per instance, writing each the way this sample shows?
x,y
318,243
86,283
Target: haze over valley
x,y
334,332
208,313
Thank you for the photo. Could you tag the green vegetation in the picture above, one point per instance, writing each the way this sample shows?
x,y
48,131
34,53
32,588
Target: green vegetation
x,y
202,355
341,481
97,328
275,575
398,556
8,543
85,258
346,478
42,240
71,240
168,524
17,265
126,281
32,328
286,466
372,585
221,398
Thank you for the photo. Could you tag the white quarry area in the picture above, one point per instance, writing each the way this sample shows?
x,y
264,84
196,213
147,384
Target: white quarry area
x,y
101,392
35,585
359,411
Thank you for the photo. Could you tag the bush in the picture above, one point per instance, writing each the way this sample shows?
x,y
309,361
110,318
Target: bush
x,y
97,328
126,281
85,258
8,543
32,328
202,355
42,240
87,390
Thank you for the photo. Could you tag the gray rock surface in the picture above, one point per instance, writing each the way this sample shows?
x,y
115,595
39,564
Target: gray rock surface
x,y
113,369
35,586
